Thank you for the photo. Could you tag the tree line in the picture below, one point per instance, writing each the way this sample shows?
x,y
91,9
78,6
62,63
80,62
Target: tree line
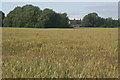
x,y
33,17
93,20
2,16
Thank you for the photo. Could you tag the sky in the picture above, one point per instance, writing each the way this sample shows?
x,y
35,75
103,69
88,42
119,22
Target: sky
x,y
59,0
75,10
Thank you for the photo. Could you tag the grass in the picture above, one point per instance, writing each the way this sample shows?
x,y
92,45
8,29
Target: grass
x,y
60,53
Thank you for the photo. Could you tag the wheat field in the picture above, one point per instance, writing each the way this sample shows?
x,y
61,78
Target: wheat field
x,y
60,53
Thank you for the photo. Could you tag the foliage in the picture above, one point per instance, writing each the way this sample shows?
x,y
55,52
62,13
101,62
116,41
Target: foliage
x,y
90,20
2,16
93,20
119,22
32,16
25,16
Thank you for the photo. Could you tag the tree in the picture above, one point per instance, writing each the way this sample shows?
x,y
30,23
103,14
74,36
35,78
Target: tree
x,y
25,16
48,19
2,16
118,22
13,18
51,19
32,16
64,21
109,22
93,20
90,20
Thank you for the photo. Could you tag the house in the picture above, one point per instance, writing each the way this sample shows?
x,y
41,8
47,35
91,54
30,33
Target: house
x,y
75,23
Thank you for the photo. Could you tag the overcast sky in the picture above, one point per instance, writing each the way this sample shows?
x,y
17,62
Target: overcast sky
x,y
60,0
74,9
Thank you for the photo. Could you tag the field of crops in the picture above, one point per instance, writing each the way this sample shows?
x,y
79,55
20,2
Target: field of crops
x,y
60,53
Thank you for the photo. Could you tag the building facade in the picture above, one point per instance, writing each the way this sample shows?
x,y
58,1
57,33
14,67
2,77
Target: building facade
x,y
75,23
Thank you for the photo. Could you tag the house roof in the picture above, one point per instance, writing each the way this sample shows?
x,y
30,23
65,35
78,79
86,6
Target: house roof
x,y
75,21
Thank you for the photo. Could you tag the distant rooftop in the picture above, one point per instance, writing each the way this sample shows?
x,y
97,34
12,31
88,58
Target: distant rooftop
x,y
75,22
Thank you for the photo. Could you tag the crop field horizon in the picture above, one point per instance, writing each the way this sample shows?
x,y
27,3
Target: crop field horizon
x,y
60,53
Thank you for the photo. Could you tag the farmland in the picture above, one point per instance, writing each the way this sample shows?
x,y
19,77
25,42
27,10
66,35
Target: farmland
x,y
60,53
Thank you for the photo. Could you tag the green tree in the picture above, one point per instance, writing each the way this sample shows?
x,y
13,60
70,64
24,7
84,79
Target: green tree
x,y
64,21
25,16
13,18
51,19
2,16
48,19
90,20
109,22
32,16
93,20
118,22
115,23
